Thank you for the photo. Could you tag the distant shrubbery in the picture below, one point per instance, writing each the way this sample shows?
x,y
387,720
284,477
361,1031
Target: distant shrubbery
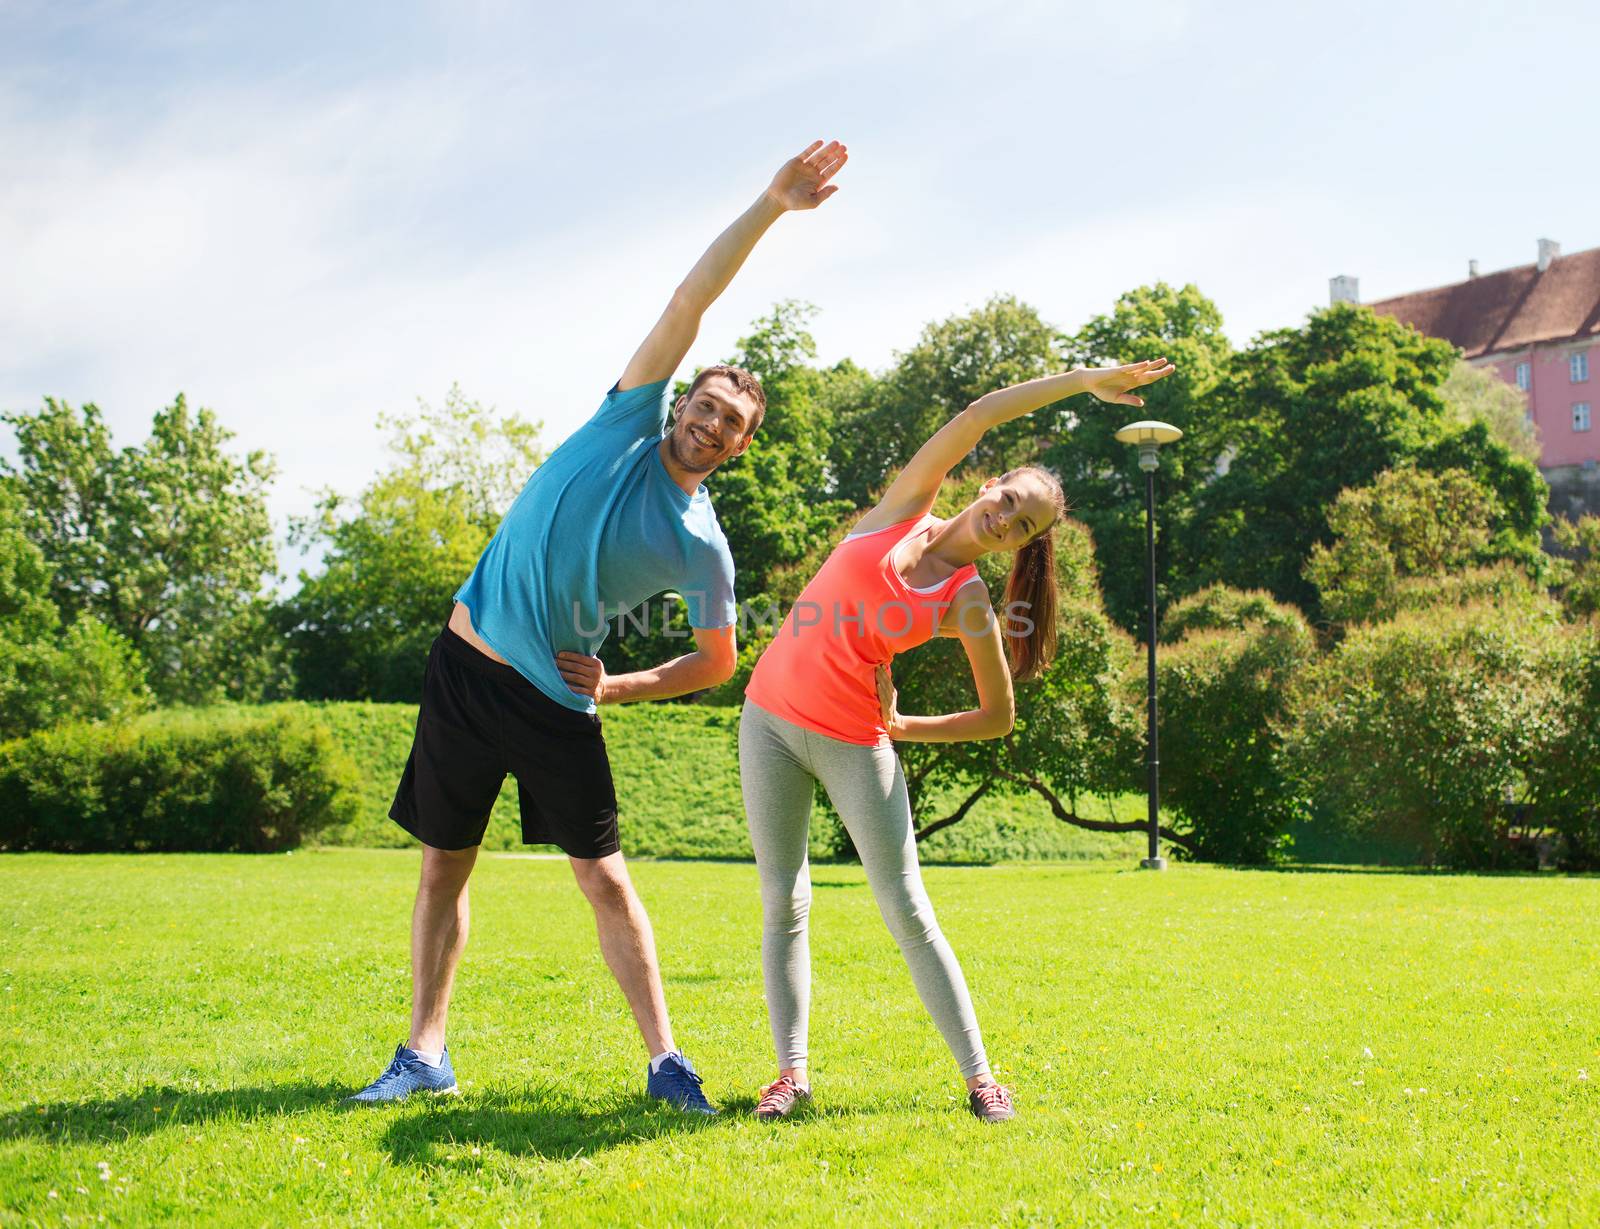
x,y
1422,730
204,779
1224,686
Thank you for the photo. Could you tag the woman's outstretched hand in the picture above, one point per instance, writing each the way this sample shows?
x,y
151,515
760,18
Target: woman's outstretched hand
x,y
802,182
886,701
1116,384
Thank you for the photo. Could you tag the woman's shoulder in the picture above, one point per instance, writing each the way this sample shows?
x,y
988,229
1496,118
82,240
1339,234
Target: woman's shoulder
x,y
970,595
877,524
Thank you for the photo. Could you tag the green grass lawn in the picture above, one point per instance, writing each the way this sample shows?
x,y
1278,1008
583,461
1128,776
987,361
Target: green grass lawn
x,y
1203,1047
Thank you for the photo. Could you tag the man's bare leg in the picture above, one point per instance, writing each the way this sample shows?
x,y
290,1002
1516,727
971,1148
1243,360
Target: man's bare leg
x,y
628,944
438,937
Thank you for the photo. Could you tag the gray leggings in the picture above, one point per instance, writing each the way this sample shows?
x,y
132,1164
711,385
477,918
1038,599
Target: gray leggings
x,y
778,761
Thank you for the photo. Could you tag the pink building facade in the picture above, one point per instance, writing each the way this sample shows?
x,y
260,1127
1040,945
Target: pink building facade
x,y
1538,327
1562,384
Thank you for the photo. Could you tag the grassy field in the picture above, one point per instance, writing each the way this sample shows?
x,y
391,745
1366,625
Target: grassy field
x,y
1203,1047
677,775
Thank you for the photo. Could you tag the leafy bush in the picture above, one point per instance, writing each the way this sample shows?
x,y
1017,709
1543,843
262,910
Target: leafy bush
x,y
88,673
1406,523
1418,731
1504,585
1565,779
198,779
1581,588
1219,606
1222,691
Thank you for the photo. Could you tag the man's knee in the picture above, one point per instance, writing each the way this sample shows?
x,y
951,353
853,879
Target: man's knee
x,y
605,882
445,869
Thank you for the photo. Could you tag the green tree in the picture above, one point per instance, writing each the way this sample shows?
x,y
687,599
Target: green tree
x,y
954,362
1476,394
465,447
1314,410
48,674
169,543
1581,592
1102,476
1407,523
360,628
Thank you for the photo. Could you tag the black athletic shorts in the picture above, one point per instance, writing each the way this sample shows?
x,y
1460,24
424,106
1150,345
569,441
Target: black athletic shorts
x,y
479,720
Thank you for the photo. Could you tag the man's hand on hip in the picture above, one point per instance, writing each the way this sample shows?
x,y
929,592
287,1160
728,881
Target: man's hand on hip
x,y
585,675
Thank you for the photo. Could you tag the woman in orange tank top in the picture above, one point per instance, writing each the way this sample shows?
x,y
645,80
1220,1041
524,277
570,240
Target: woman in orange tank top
x,y
820,706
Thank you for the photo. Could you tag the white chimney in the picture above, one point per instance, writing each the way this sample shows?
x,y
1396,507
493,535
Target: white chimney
x,y
1472,268
1549,249
1344,289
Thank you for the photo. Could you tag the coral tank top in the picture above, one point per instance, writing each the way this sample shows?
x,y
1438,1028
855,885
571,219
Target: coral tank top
x,y
857,613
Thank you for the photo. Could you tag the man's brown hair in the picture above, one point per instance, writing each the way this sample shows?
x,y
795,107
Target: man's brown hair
x,y
741,380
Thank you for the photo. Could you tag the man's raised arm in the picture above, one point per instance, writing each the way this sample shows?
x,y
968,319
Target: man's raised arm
x,y
801,183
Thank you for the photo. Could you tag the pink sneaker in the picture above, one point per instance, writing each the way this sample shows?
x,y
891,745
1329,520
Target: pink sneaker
x,y
992,1103
780,1098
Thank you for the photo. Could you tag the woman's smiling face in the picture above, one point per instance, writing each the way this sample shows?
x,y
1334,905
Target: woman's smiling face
x,y
1008,513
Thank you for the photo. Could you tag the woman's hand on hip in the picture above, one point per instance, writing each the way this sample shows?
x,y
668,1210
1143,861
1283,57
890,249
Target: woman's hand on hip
x,y
887,701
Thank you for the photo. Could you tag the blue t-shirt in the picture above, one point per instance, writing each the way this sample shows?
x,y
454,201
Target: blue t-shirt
x,y
600,527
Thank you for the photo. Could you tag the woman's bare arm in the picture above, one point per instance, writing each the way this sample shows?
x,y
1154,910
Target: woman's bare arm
x,y
914,489
975,624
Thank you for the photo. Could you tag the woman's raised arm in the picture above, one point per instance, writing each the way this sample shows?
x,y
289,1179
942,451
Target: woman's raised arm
x,y
914,489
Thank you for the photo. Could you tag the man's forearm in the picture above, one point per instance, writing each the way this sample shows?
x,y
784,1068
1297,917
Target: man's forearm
x,y
691,672
726,255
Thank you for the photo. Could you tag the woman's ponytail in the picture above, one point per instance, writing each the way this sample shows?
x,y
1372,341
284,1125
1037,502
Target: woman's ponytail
x,y
1029,617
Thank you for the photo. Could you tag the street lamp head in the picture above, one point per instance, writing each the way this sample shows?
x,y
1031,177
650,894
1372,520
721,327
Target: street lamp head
x,y
1149,436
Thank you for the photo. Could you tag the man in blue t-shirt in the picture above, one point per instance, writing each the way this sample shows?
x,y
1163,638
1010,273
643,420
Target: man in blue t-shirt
x,y
616,515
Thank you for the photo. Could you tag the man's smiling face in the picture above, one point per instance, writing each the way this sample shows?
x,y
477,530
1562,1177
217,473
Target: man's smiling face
x,y
710,426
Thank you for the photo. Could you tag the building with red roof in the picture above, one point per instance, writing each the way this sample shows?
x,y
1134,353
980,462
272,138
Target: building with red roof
x,y
1538,327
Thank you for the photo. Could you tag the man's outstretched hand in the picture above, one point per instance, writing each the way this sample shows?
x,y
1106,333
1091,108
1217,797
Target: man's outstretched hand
x,y
802,182
1116,384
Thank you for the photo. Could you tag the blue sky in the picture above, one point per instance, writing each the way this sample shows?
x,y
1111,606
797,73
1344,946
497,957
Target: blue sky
x,y
305,215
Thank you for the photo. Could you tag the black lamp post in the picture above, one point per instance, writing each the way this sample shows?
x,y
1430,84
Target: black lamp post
x,y
1149,436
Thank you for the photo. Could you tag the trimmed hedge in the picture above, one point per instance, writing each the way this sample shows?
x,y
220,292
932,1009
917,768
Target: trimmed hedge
x,y
218,780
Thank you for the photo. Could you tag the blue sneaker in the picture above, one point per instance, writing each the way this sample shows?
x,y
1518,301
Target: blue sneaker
x,y
677,1083
405,1075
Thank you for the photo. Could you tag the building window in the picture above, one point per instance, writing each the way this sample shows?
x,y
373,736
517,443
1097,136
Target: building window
x,y
1580,416
1523,376
1578,366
